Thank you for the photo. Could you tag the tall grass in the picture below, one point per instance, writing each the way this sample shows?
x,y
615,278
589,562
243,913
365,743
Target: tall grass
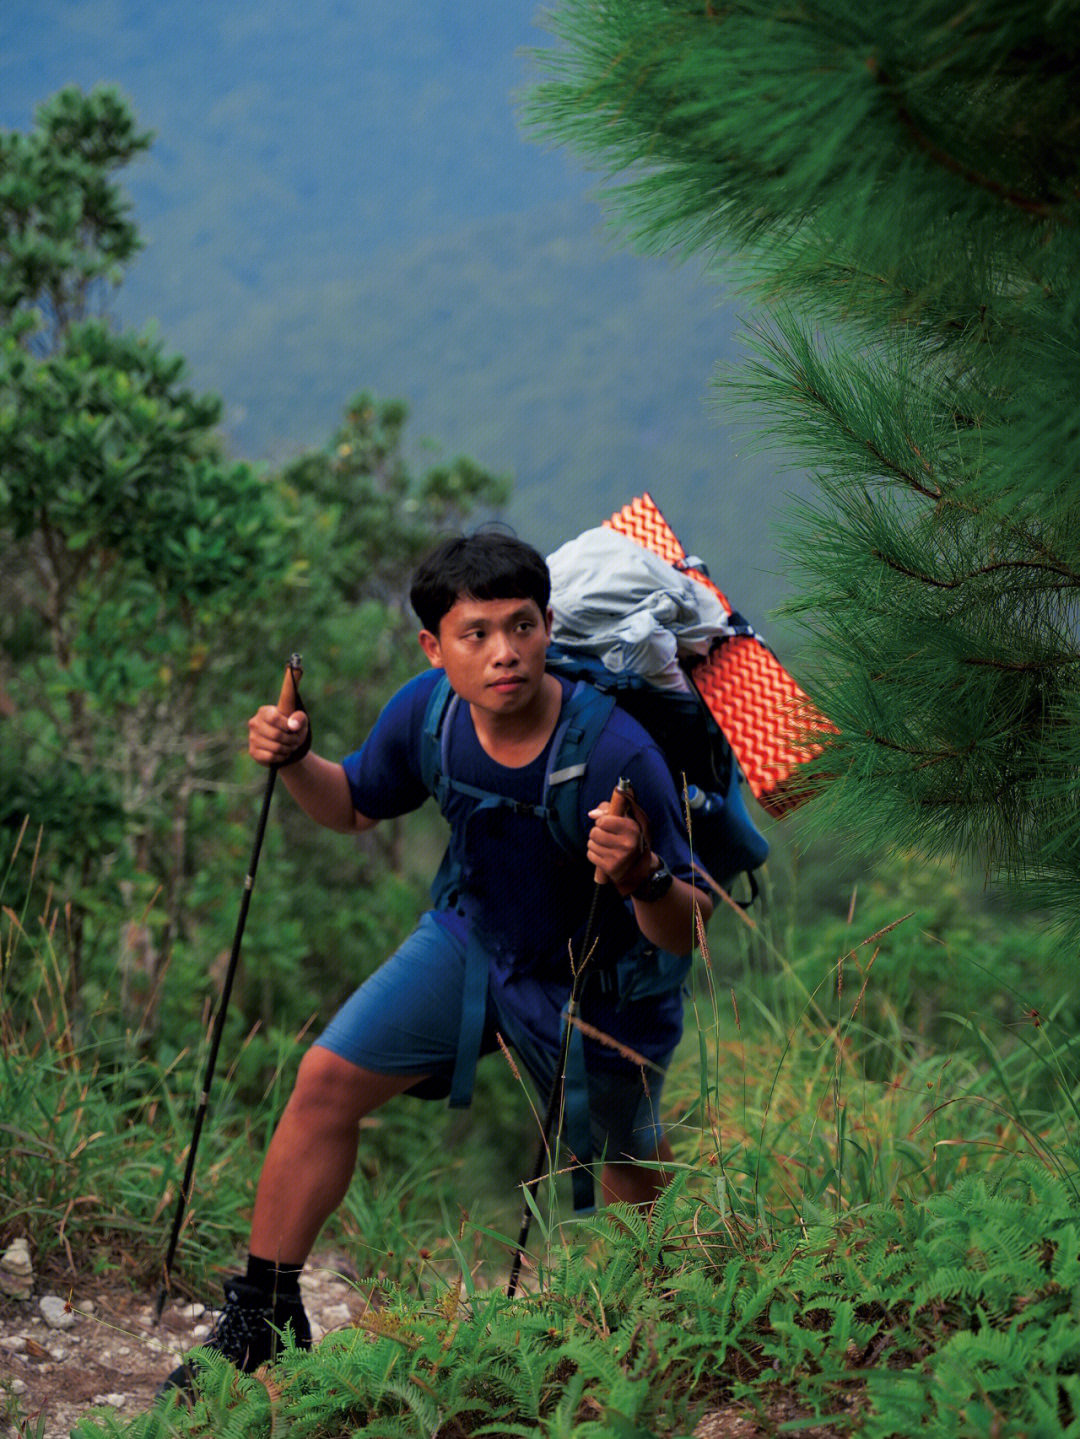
x,y
812,1091
94,1134
874,1221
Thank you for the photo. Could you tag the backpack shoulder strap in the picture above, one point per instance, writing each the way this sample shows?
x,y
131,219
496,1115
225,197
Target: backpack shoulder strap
x,y
585,712
432,767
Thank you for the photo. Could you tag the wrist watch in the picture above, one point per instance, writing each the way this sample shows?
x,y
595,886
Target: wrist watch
x,y
655,885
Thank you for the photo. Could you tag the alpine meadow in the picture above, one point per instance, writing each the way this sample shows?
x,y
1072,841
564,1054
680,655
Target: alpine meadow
x,y
872,1224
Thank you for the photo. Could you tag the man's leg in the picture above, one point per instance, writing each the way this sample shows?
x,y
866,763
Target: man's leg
x,y
312,1156
404,1016
304,1178
631,1182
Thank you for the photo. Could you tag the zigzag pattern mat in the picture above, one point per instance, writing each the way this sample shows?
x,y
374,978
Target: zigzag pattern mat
x,y
750,694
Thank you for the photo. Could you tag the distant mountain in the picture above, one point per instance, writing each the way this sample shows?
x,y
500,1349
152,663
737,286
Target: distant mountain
x,y
339,198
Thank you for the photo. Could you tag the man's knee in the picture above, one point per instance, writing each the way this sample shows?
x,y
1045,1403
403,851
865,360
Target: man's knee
x,y
637,1181
330,1088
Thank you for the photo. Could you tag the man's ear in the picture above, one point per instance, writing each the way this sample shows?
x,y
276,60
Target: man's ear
x,y
429,643
549,619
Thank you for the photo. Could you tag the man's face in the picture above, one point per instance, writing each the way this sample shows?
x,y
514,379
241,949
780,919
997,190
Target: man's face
x,y
492,651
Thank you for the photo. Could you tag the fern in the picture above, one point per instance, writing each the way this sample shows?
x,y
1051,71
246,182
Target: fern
x,y
949,1314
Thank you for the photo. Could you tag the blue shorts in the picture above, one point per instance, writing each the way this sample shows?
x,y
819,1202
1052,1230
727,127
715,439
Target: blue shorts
x,y
406,1017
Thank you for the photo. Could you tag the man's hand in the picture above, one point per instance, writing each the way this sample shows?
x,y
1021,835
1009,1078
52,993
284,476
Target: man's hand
x,y
273,737
618,848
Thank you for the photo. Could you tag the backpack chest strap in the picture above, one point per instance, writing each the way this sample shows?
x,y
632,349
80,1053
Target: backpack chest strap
x,y
584,714
486,799
444,784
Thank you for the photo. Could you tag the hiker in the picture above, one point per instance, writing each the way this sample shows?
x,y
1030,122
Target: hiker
x,y
510,907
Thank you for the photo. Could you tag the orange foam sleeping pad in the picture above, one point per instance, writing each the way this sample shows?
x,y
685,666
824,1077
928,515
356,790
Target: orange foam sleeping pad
x,y
762,711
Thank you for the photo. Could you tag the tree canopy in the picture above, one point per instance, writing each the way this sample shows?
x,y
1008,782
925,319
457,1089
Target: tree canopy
x,y
900,184
151,586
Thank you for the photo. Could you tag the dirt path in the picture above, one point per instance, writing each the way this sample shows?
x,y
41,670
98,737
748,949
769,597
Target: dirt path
x,y
111,1353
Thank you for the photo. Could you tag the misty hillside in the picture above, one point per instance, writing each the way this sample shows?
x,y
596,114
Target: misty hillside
x,y
342,198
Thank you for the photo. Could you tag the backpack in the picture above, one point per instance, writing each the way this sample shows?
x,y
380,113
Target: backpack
x,y
635,626
723,837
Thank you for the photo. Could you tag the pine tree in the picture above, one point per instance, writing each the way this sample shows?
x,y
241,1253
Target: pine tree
x,y
900,183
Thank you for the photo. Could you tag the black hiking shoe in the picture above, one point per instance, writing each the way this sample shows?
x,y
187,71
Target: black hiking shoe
x,y
246,1331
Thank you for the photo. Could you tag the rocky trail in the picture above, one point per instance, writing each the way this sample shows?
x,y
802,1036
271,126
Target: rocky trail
x,y
71,1350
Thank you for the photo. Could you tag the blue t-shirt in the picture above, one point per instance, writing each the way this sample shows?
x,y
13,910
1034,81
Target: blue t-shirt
x,y
526,899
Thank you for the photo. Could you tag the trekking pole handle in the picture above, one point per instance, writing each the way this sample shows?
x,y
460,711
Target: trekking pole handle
x,y
620,804
289,699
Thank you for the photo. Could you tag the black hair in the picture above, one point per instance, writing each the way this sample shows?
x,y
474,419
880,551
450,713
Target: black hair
x,y
489,565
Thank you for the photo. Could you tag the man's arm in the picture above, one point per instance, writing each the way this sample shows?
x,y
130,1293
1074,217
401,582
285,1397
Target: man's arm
x,y
319,786
617,848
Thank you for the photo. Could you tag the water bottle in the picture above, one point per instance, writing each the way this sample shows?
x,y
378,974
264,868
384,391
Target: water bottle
x,y
703,802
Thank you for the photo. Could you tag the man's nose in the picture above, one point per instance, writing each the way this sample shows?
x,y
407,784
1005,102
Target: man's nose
x,y
504,651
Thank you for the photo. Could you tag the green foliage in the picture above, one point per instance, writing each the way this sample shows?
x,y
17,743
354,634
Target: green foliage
x,y
64,226
950,1317
862,1230
128,543
959,957
95,1130
914,1036
144,575
898,183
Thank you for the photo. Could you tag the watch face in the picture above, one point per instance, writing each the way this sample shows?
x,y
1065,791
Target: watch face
x,y
656,886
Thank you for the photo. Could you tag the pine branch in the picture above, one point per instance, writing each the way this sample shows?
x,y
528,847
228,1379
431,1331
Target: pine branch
x,y
949,162
1022,666
1072,578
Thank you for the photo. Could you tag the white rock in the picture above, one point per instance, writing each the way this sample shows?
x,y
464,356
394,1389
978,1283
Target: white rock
x,y
55,1312
16,1286
59,1353
16,1258
114,1401
191,1312
318,1333
200,1331
335,1314
17,1386
13,1343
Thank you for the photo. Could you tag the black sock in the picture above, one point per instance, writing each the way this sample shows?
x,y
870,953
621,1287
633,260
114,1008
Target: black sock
x,y
278,1280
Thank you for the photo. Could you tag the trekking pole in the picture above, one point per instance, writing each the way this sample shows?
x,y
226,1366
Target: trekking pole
x,y
619,806
288,703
